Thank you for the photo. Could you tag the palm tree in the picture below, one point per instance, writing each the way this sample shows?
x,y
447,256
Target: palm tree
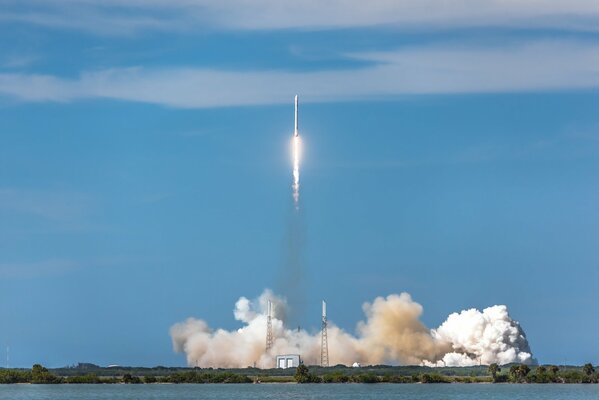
x,y
519,372
493,370
514,373
523,371
541,370
554,369
588,369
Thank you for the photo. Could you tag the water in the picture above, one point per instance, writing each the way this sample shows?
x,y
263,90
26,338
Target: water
x,y
300,392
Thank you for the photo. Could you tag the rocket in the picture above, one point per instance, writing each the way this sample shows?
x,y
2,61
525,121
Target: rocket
x,y
296,158
295,130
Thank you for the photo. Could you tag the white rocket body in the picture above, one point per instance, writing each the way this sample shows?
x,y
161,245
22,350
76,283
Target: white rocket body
x,y
295,130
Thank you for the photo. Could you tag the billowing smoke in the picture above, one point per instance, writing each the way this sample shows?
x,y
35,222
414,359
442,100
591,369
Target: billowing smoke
x,y
392,333
486,337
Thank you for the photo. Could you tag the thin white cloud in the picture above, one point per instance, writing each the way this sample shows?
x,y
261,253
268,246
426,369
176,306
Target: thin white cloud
x,y
122,16
60,266
536,66
50,205
36,269
14,61
90,20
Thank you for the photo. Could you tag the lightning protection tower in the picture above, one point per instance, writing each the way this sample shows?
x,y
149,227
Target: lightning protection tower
x,y
324,345
269,337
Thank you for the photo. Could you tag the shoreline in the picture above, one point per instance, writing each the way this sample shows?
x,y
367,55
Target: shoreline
x,y
296,383
493,374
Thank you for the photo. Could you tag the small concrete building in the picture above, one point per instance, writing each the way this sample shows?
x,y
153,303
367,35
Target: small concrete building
x,y
288,361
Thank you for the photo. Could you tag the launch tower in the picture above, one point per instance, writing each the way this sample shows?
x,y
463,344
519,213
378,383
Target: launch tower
x,y
324,345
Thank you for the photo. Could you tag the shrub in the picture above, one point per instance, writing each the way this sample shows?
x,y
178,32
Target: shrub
x,y
303,375
365,378
128,378
335,377
88,378
40,374
433,378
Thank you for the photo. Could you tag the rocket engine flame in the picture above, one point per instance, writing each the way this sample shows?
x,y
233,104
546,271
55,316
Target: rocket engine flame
x,y
296,170
296,155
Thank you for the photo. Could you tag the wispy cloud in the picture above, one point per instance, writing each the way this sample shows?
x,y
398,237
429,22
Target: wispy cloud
x,y
36,269
61,266
535,66
17,60
113,19
126,16
51,205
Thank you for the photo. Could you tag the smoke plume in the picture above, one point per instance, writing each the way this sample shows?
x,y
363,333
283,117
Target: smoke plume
x,y
291,281
486,337
392,333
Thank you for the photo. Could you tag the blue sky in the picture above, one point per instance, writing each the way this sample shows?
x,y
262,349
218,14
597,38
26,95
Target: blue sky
x,y
450,151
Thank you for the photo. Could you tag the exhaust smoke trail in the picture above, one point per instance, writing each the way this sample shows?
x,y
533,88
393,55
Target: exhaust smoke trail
x,y
293,273
296,157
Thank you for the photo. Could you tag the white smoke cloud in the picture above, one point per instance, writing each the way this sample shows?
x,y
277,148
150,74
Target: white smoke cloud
x,y
391,334
486,337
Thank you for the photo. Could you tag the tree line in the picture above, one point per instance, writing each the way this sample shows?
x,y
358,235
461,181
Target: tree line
x,y
515,374
41,375
543,374
508,374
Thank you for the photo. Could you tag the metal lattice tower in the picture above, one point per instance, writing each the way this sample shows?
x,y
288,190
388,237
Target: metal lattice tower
x,y
269,336
324,344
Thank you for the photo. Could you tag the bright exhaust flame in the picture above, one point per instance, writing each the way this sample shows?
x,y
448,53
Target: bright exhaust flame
x,y
296,170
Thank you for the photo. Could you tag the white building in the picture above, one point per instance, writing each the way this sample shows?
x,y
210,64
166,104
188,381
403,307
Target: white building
x,y
288,361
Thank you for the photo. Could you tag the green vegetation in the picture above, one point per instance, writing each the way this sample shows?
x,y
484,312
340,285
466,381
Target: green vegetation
x,y
201,377
14,376
434,378
88,378
274,379
588,369
518,373
128,378
93,374
303,375
40,374
494,370
335,377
